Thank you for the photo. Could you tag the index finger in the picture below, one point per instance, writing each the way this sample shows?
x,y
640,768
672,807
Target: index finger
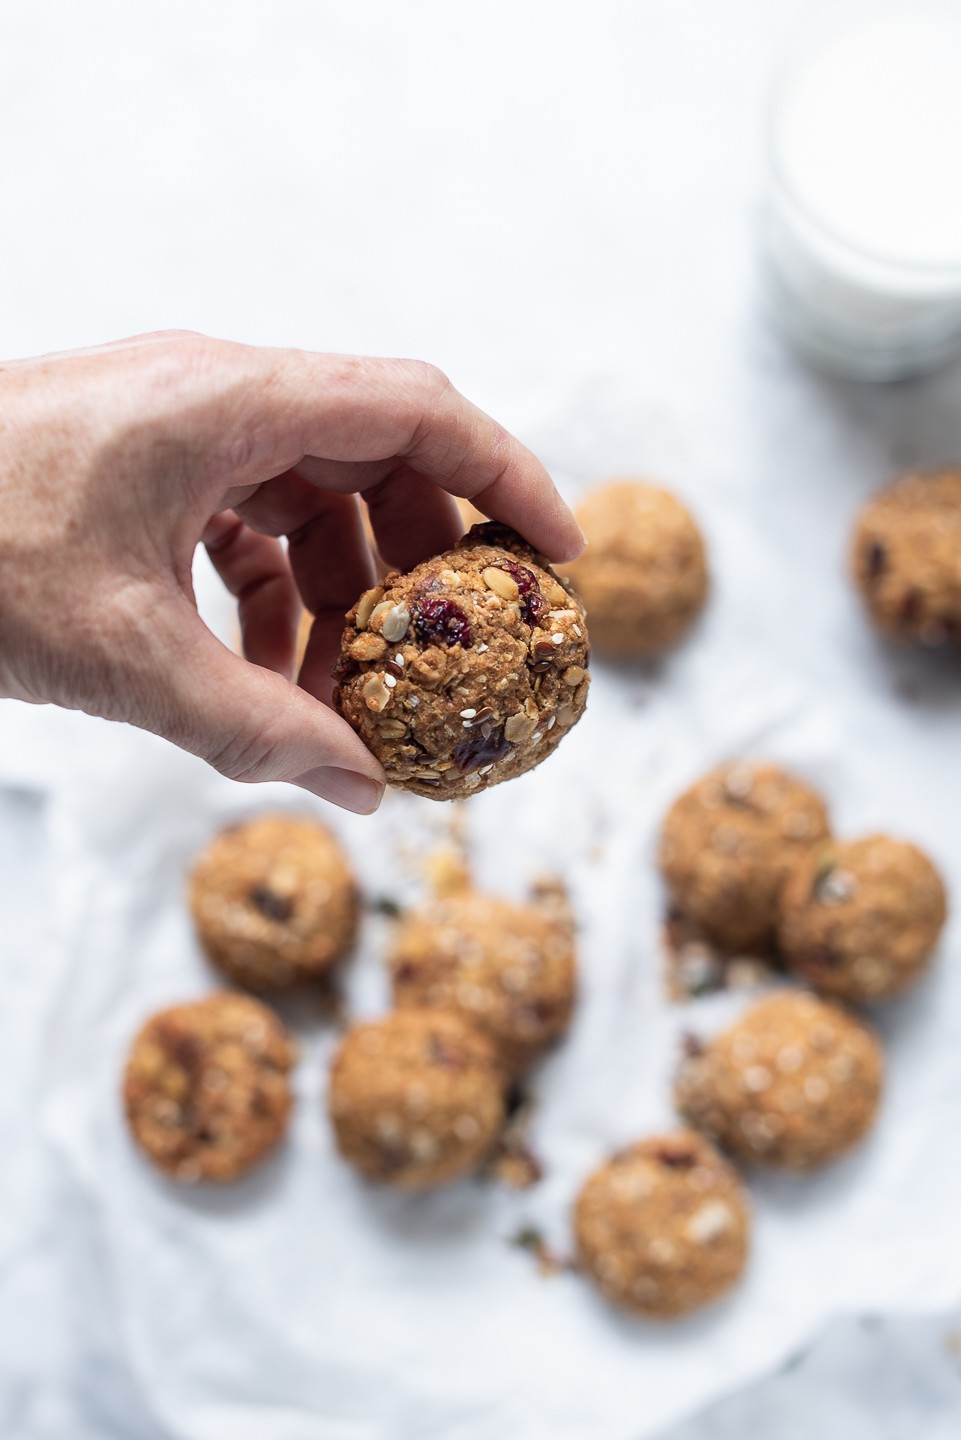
x,y
343,408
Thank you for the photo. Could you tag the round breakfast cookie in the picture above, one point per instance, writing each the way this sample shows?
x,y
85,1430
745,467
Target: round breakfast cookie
x,y
206,1087
274,901
727,844
466,671
643,577
860,918
509,969
906,558
416,1099
663,1226
794,1083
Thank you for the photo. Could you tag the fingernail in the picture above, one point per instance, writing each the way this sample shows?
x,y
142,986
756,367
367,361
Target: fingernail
x,y
572,551
346,788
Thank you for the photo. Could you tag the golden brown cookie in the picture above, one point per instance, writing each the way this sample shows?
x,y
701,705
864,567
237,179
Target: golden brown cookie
x,y
795,1083
206,1087
509,969
663,1227
643,577
274,901
860,918
416,1099
906,558
466,671
727,844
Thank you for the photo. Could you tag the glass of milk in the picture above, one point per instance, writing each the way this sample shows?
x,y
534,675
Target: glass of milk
x,y
862,225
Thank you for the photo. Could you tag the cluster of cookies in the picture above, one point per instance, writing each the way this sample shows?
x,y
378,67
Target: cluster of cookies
x,y
749,861
481,986
751,867
467,671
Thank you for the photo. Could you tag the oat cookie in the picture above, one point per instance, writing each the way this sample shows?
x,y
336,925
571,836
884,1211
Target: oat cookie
x,y
794,1083
467,670
206,1087
643,577
274,901
906,558
509,969
416,1099
860,918
727,844
663,1227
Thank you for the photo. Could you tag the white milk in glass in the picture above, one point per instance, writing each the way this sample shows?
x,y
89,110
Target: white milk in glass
x,y
862,228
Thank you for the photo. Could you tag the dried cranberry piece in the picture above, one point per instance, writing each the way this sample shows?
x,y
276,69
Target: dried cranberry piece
x,y
676,1156
822,959
185,1050
269,903
877,558
435,618
442,1053
532,603
692,1046
480,749
345,669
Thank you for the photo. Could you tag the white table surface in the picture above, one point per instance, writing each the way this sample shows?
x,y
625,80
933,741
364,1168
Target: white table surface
x,y
531,196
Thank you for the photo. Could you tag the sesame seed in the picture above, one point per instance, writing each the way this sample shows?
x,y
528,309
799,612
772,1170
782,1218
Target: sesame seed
x,y
557,638
390,681
757,1077
468,714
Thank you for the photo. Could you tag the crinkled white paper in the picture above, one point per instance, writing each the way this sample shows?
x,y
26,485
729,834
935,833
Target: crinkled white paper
x,y
303,1304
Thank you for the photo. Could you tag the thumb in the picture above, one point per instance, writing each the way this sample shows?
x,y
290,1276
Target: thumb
x,y
252,725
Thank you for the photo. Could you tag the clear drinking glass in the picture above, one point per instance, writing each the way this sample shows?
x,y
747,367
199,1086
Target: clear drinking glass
x,y
862,307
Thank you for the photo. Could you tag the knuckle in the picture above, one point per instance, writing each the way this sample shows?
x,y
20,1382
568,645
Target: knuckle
x,y
174,335
430,379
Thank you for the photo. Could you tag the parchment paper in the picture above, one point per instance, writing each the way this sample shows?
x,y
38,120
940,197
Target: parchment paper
x,y
304,1305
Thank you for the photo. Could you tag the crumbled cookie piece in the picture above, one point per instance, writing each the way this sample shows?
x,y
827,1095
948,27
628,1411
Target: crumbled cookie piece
x,y
860,919
726,847
795,1083
663,1227
467,670
206,1087
509,969
416,1099
906,558
643,577
274,901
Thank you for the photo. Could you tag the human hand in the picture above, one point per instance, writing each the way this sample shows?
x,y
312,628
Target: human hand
x,y
116,463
